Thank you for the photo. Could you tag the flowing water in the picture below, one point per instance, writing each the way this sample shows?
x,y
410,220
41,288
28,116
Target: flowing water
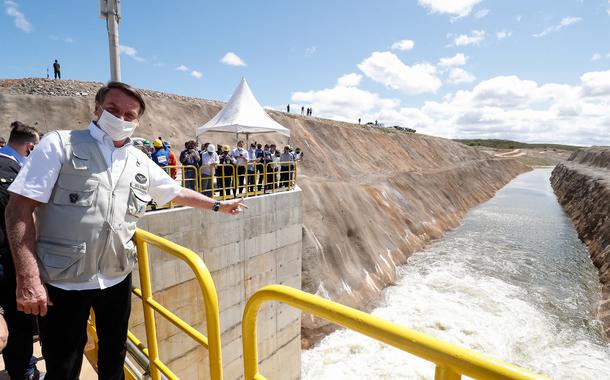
x,y
513,281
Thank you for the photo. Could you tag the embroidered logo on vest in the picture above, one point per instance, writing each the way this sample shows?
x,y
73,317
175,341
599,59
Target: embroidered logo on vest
x,y
141,178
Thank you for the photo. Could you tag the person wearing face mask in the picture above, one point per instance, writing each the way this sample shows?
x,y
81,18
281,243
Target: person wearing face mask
x,y
88,188
209,160
17,355
240,154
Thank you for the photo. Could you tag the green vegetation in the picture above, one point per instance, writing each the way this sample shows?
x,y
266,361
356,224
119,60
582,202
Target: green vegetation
x,y
508,144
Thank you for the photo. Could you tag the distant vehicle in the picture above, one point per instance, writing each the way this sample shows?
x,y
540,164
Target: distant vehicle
x,y
408,130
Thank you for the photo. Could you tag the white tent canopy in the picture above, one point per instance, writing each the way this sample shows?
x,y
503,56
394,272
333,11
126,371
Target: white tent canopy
x,y
242,115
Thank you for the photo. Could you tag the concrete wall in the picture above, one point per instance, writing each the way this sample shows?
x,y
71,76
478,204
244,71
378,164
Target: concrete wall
x,y
260,247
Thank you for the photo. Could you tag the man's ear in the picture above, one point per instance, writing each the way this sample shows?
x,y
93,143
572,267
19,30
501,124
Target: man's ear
x,y
97,111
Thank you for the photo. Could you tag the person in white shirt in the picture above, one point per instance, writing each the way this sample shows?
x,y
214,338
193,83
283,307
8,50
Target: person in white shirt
x,y
241,159
96,274
209,160
251,174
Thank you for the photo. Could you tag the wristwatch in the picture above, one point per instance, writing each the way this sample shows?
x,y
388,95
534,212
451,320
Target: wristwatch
x,y
216,206
1,311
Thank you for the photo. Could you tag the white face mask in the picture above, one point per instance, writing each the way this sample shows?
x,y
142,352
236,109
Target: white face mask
x,y
117,129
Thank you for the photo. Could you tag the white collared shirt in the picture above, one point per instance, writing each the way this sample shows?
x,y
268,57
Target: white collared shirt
x,y
38,176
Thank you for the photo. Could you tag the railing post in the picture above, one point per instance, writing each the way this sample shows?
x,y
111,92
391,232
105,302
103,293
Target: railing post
x,y
445,373
149,314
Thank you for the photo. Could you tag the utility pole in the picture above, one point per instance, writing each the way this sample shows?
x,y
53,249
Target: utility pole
x,y
110,11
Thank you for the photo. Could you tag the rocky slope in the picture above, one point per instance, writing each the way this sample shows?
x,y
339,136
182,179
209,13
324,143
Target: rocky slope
x,y
582,184
372,196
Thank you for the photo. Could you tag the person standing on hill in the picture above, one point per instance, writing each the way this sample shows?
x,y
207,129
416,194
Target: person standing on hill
x,y
56,70
17,355
288,108
70,222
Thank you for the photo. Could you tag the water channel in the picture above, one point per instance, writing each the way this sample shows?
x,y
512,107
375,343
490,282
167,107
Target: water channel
x,y
512,281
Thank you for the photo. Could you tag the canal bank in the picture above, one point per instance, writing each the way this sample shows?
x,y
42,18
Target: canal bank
x,y
513,281
582,184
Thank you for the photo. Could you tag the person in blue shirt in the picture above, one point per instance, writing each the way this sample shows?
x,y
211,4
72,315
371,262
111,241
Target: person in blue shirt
x,y
17,355
161,155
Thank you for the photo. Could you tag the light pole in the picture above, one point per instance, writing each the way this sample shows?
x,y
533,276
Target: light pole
x,y
110,11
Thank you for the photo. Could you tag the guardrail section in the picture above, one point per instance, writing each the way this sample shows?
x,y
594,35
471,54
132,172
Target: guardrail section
x,y
156,367
451,361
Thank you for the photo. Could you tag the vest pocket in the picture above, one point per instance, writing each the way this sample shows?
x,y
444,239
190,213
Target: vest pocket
x,y
74,191
137,202
62,260
80,158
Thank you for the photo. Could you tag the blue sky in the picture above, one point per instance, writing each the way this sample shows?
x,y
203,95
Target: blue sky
x,y
527,70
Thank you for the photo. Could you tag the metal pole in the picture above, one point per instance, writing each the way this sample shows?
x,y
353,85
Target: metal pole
x,y
113,40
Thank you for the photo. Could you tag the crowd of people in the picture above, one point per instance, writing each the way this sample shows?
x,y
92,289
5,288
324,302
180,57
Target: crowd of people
x,y
259,169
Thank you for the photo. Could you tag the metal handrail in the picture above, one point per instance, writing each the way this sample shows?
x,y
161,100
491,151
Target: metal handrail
x,y
451,360
288,169
202,274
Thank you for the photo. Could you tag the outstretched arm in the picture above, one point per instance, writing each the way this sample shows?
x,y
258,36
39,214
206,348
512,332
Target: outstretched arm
x,y
192,198
21,231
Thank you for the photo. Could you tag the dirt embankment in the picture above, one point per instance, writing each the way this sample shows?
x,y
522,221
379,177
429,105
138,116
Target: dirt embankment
x,y
582,185
372,197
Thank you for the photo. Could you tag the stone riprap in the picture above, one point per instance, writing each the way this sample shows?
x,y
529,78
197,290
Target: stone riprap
x,y
582,184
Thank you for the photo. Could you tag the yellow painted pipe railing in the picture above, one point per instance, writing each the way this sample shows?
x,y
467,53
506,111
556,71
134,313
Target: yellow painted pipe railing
x,y
451,361
150,305
228,181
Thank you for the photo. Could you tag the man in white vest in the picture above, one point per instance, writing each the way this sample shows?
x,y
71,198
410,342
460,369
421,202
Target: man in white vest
x,y
88,189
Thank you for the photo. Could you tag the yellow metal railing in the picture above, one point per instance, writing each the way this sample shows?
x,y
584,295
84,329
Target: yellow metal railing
x,y
451,361
150,306
227,181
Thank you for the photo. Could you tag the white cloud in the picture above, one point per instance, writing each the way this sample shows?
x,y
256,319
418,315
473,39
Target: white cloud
x,y
518,18
232,59
562,24
403,45
387,69
12,9
474,38
349,80
69,40
345,103
130,52
459,76
481,13
456,8
196,74
596,57
596,83
182,68
504,107
457,60
310,51
503,34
